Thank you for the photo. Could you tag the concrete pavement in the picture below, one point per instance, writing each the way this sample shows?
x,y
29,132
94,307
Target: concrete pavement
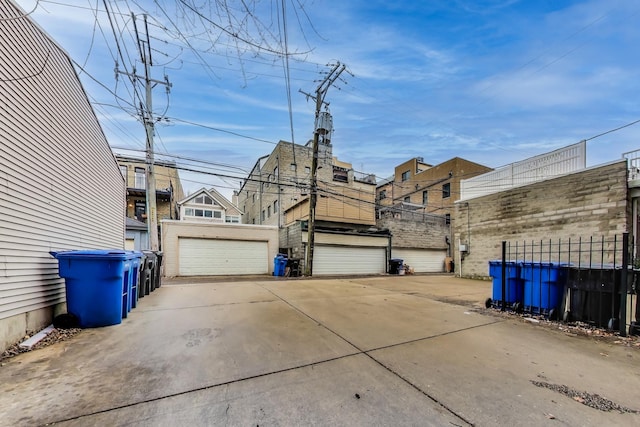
x,y
392,350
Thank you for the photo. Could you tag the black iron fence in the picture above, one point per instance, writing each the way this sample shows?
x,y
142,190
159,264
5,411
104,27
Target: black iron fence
x,y
594,280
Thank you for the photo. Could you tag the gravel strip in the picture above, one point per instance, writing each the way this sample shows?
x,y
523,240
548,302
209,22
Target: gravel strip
x,y
56,335
594,401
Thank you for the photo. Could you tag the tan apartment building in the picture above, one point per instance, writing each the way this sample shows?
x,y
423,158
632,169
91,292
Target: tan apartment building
x,y
168,188
282,179
427,188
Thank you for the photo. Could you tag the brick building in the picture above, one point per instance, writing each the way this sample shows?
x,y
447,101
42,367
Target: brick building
x,y
433,189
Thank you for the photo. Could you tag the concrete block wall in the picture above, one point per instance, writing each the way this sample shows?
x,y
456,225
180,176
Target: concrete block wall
x,y
291,238
593,202
430,233
14,328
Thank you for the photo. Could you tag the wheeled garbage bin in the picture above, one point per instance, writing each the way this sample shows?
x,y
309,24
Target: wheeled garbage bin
x,y
514,285
395,265
150,277
543,287
279,264
97,285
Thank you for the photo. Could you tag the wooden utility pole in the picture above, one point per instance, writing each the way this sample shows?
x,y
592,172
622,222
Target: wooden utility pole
x,y
321,91
144,47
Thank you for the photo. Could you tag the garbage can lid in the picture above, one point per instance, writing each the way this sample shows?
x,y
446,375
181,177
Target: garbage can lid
x,y
95,254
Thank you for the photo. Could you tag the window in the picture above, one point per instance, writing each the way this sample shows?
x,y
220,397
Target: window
x,y
383,194
253,197
407,199
140,178
141,210
123,171
204,200
294,167
202,213
425,197
253,221
307,169
268,211
275,207
446,190
262,217
447,219
406,175
234,219
275,173
340,174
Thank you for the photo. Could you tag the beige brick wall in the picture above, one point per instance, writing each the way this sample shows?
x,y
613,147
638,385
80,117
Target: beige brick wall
x,y
430,233
589,203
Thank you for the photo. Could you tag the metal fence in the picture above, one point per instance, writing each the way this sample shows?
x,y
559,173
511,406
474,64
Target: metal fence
x,y
593,280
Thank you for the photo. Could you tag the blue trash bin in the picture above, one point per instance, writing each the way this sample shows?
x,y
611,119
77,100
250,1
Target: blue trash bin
x,y
514,286
543,286
134,278
279,264
97,285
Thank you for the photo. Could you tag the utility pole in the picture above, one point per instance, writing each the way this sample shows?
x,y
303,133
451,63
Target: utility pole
x,y
321,92
146,112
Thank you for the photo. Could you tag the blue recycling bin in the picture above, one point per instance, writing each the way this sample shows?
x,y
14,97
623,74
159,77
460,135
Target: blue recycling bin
x,y
134,278
543,285
98,284
279,264
514,286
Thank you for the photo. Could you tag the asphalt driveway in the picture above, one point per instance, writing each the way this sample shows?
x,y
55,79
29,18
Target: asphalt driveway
x,y
392,350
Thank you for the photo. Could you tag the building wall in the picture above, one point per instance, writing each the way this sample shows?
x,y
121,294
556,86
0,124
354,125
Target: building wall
x,y
173,230
291,240
431,232
589,203
433,180
166,177
60,185
264,187
339,203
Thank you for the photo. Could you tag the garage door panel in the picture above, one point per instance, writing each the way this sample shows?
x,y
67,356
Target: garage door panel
x,y
329,259
214,257
422,260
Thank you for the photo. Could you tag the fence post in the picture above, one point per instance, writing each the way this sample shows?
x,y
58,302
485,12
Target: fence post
x,y
504,274
623,286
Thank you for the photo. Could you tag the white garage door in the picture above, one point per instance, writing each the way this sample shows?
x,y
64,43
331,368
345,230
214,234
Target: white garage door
x,y
422,260
348,260
215,257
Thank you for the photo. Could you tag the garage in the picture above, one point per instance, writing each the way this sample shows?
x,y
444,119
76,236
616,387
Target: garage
x,y
215,257
330,259
422,260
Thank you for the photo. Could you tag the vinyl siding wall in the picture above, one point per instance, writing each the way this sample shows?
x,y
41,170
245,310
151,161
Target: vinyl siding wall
x,y
60,186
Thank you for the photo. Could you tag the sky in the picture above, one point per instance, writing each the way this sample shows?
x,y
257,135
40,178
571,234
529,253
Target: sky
x,y
490,81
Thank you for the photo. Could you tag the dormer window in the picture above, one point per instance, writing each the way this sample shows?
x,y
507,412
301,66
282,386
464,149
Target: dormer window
x,y
204,200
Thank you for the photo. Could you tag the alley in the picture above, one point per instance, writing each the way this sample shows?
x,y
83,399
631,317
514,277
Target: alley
x,y
414,350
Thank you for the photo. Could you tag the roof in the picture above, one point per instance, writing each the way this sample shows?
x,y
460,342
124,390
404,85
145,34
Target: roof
x,y
134,224
215,195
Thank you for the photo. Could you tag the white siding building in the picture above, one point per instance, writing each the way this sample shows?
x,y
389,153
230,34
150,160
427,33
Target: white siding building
x,y
60,185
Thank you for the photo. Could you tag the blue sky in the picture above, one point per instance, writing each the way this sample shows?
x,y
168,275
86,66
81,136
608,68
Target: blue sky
x,y
490,81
